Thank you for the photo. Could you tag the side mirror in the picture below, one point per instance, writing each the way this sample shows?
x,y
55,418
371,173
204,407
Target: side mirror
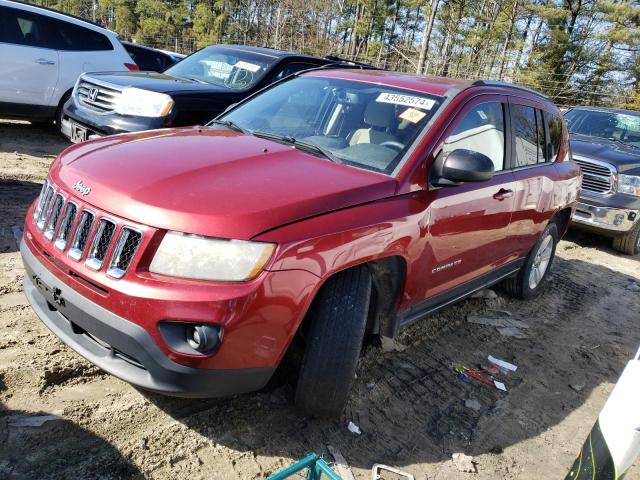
x,y
462,165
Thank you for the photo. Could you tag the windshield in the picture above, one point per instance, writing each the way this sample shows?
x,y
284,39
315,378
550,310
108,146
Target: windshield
x,y
610,125
361,124
225,67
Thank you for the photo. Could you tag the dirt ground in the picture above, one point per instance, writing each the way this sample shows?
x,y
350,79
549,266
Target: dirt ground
x,y
411,408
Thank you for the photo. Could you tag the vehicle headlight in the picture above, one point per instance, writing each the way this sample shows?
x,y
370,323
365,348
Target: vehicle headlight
x,y
629,184
205,258
143,103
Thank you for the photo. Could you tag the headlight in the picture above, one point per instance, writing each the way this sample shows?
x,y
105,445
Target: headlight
x,y
629,184
205,258
143,103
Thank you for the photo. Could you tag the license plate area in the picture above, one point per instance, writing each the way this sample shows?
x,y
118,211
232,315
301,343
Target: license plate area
x,y
78,133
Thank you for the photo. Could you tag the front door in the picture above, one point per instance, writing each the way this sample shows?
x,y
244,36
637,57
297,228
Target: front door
x,y
469,224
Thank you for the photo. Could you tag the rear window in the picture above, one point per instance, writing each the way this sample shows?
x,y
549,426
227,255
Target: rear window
x,y
68,36
554,126
529,136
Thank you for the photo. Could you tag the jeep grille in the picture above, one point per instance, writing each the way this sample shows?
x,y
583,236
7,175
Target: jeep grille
x,y
597,177
70,225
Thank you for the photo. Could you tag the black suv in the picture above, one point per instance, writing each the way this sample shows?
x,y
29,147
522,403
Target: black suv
x,y
606,145
191,92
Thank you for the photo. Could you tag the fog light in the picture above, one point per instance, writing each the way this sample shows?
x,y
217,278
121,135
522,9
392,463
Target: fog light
x,y
203,338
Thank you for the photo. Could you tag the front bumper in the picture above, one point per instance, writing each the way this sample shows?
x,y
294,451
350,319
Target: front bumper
x,y
99,124
121,347
607,220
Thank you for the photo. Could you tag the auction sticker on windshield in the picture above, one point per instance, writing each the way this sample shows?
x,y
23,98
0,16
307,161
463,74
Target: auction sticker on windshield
x,y
407,100
252,67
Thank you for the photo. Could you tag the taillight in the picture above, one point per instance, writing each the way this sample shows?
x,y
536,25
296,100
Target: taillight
x,y
132,66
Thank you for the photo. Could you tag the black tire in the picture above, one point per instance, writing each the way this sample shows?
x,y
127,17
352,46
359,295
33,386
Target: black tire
x,y
333,343
630,242
519,285
59,111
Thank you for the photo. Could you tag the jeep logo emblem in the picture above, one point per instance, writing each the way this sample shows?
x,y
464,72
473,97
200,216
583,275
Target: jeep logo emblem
x,y
81,188
93,94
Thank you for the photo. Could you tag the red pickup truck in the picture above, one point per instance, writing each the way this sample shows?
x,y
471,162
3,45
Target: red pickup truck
x,y
334,205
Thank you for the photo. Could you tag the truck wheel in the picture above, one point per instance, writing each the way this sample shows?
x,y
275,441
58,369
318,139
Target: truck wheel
x,y
528,282
630,242
333,342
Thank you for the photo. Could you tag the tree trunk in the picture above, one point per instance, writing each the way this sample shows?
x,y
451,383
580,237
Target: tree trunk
x,y
426,35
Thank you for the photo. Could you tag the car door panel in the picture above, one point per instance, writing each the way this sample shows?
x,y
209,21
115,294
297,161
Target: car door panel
x,y
468,224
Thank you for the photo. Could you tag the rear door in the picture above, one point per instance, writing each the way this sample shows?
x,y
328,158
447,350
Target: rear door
x,y
468,224
533,172
30,67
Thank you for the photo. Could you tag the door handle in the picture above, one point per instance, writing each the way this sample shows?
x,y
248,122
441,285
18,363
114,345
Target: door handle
x,y
44,61
502,194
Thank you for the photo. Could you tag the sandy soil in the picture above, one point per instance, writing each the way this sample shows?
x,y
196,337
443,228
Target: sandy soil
x,y
409,404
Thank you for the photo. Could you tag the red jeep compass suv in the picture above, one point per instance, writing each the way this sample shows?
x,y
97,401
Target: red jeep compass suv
x,y
335,204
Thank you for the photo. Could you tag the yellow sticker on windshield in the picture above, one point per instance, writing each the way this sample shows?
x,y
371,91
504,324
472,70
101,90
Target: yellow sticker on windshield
x,y
412,115
407,100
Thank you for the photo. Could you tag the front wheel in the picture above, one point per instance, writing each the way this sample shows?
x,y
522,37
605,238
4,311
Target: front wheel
x,y
629,243
333,342
528,282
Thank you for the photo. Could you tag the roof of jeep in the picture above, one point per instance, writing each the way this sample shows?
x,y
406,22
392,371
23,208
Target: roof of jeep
x,y
441,86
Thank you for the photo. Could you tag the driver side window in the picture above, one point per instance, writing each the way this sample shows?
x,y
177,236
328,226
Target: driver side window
x,y
481,130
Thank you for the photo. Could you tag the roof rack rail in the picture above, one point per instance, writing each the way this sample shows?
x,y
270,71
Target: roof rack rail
x,y
496,83
59,12
335,58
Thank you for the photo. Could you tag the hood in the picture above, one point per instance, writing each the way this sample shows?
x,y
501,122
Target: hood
x,y
623,157
212,181
156,82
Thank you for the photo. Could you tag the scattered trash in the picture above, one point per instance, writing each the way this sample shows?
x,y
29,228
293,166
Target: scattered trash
x,y
500,385
578,386
340,465
496,318
371,385
464,463
634,287
502,365
390,345
26,421
353,428
483,375
512,332
17,234
377,468
473,405
486,293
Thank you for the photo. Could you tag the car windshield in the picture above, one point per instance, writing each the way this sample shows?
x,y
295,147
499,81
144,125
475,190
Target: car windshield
x,y
622,127
356,123
225,67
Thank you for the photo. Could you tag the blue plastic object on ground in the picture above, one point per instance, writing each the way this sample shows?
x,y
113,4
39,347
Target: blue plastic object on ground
x,y
316,467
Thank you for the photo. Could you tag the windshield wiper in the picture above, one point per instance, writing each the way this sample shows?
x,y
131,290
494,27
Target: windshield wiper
x,y
229,124
299,144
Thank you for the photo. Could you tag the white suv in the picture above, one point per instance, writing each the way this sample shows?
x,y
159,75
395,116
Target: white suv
x,y
42,54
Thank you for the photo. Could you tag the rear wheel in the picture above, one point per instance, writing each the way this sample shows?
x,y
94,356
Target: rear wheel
x,y
528,282
630,242
333,342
